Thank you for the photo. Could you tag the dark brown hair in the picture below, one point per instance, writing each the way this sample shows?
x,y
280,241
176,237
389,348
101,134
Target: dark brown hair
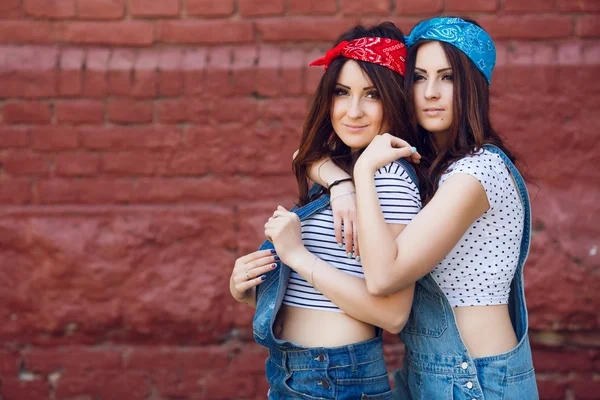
x,y
318,138
471,126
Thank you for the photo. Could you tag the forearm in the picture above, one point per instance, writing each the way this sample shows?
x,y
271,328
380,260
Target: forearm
x,y
378,248
325,172
249,300
350,293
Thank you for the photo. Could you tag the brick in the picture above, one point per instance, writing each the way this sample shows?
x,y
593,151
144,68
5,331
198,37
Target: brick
x,y
187,163
95,76
15,388
302,28
312,75
471,5
49,8
528,6
210,357
527,27
32,112
105,385
51,138
76,164
100,9
205,32
588,26
14,191
121,64
153,8
254,8
146,78
184,110
13,137
268,79
210,8
22,32
71,358
193,66
130,111
235,110
375,7
10,9
20,163
71,72
591,54
79,112
125,33
84,191
284,109
130,138
244,70
570,53
585,389
578,5
312,7
550,390
28,71
410,7
292,66
132,163
170,79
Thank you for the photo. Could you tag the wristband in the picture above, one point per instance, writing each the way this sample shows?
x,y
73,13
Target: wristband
x,y
338,181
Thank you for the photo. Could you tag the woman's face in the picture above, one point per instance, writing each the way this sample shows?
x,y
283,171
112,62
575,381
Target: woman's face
x,y
433,88
356,112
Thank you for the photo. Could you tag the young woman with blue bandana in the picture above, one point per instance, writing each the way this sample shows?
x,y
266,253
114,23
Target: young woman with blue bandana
x,y
466,337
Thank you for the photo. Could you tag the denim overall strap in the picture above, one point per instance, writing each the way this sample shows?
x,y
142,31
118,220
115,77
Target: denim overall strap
x,y
409,170
518,312
270,293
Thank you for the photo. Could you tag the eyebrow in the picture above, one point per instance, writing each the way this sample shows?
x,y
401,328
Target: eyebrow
x,y
348,87
438,71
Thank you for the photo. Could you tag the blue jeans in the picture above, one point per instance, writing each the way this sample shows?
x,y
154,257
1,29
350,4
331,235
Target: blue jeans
x,y
351,372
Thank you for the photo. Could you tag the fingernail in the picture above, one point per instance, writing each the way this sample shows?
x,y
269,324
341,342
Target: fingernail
x,y
340,245
413,149
349,255
272,251
357,258
263,277
276,258
273,266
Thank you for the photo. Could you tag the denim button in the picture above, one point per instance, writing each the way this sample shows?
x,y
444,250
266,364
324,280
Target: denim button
x,y
470,385
464,365
321,357
325,384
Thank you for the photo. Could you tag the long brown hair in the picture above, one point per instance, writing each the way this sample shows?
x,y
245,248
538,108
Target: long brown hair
x,y
318,138
471,126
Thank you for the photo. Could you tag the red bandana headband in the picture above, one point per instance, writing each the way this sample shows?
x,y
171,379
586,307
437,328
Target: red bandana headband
x,y
389,53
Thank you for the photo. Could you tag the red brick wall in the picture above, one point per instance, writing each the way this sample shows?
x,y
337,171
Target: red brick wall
x,y
143,143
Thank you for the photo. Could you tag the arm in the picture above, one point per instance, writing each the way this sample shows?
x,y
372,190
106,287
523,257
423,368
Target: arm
x,y
348,292
392,263
248,272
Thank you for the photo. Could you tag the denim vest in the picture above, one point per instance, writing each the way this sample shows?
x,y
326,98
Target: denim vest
x,y
270,293
437,365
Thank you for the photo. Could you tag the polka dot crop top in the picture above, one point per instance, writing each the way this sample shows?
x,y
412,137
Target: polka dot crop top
x,y
479,269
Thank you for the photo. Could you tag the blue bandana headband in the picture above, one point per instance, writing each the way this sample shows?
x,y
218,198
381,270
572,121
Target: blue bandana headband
x,y
467,37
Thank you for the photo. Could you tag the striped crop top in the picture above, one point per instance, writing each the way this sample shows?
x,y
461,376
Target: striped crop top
x,y
400,202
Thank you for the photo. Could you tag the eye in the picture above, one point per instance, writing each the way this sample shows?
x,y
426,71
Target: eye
x,y
374,94
418,77
340,92
448,77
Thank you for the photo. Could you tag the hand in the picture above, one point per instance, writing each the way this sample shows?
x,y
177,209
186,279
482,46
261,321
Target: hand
x,y
384,149
284,230
248,272
343,206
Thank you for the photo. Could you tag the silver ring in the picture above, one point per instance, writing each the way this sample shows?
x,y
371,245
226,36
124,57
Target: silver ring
x,y
247,276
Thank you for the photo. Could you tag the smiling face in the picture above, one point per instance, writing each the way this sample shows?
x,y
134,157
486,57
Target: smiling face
x,y
433,90
356,112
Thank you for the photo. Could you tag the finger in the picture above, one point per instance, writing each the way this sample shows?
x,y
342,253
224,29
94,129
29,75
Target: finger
x,y
256,255
398,143
257,272
260,263
348,236
337,228
244,286
355,239
283,213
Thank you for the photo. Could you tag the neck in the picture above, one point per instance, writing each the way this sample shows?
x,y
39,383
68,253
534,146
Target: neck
x,y
440,139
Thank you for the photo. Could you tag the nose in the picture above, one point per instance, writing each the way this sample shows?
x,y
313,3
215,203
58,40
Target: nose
x,y
355,110
431,91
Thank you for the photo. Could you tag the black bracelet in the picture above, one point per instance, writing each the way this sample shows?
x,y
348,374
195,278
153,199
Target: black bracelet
x,y
337,182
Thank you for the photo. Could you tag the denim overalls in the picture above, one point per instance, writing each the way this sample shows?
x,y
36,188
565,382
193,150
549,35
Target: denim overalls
x,y
351,372
437,365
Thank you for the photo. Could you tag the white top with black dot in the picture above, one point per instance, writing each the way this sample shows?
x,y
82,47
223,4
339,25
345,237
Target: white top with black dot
x,y
478,271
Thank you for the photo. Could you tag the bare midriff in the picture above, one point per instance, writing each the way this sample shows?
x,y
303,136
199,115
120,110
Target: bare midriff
x,y
486,330
317,328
